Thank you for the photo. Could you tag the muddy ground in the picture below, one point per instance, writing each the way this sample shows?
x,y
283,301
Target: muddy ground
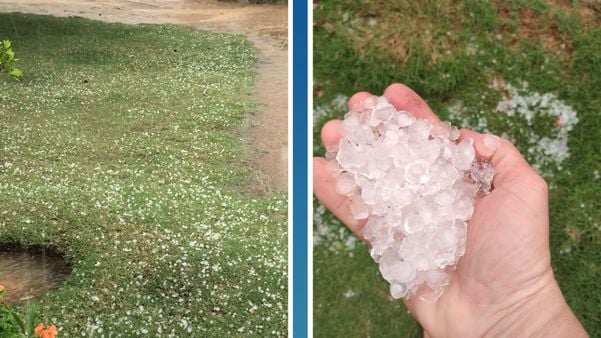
x,y
28,274
266,26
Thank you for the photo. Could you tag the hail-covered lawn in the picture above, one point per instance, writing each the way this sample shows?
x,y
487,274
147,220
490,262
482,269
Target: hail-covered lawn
x,y
124,148
529,70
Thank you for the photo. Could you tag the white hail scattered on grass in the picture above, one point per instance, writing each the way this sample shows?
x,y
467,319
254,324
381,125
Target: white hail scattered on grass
x,y
169,249
329,232
327,111
349,293
544,120
519,101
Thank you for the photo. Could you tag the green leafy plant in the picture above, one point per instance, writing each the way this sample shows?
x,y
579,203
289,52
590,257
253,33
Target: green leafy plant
x,y
8,60
11,323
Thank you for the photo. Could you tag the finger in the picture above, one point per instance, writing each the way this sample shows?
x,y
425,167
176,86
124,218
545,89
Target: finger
x,y
404,98
324,184
324,188
508,162
485,144
330,134
357,100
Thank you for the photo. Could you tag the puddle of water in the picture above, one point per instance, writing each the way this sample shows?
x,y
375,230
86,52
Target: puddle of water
x,y
30,274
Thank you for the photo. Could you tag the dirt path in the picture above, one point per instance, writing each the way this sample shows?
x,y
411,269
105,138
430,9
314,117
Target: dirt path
x,y
266,26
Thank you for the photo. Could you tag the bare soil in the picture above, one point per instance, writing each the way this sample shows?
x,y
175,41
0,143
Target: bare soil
x,y
266,26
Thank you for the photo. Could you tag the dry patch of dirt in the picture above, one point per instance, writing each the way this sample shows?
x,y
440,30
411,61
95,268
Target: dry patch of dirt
x,y
588,11
398,28
528,25
573,233
543,27
266,26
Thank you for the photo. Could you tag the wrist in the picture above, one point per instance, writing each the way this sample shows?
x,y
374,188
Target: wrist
x,y
540,312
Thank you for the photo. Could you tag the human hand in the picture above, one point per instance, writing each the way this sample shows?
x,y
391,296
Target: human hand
x,y
504,283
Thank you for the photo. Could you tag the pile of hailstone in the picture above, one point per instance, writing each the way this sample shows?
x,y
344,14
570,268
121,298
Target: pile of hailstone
x,y
415,183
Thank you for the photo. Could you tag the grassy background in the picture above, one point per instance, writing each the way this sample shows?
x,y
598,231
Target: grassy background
x,y
123,147
451,52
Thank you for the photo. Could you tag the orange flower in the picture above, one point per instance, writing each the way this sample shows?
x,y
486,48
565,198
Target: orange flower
x,y
39,329
2,291
49,332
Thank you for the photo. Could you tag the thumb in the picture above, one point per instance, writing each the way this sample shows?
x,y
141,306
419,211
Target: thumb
x,y
509,164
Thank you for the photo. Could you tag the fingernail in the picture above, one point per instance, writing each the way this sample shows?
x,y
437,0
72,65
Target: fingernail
x,y
331,148
365,104
490,143
333,168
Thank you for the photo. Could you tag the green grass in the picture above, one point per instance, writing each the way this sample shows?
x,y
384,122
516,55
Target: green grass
x,y
451,52
123,147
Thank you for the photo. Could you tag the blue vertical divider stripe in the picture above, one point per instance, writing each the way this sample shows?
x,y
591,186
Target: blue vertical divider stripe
x,y
300,157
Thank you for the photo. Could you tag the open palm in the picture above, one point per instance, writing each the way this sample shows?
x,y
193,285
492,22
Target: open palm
x,y
506,268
